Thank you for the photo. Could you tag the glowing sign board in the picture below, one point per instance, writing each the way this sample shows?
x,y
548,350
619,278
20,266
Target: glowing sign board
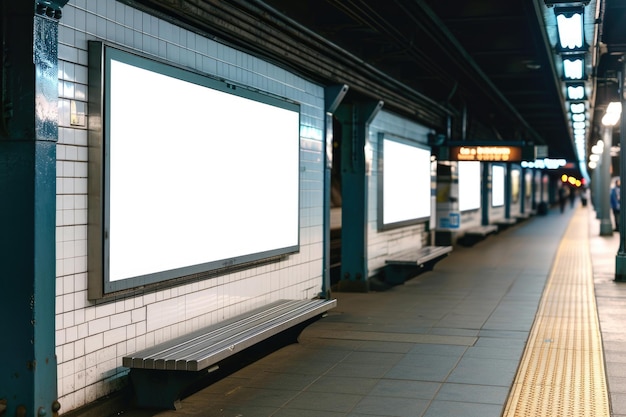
x,y
486,153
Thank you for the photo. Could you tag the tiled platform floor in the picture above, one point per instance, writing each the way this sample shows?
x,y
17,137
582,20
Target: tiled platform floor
x,y
447,343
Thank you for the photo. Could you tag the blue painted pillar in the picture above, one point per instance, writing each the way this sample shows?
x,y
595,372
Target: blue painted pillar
x,y
28,135
533,190
522,191
485,192
507,190
333,96
355,119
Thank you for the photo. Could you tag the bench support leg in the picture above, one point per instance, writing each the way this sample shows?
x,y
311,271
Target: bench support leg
x,y
399,274
160,389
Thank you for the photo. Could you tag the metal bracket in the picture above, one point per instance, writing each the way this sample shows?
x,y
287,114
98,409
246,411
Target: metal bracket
x,y
334,96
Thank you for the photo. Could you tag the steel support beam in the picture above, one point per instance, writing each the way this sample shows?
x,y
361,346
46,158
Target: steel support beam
x,y
333,96
28,366
355,119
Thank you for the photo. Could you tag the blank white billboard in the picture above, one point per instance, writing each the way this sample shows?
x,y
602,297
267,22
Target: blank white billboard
x,y
469,185
405,191
197,174
497,185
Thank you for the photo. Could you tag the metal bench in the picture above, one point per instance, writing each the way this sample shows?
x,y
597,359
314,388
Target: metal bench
x,y
482,231
161,374
406,264
474,234
505,222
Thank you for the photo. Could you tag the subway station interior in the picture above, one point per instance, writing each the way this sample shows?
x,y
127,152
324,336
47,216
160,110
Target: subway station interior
x,y
338,208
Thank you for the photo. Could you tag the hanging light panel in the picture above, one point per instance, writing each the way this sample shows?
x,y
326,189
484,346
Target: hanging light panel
x,y
570,27
573,67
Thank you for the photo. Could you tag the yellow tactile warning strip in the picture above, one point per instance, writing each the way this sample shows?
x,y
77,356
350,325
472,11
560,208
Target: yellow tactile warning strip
x,y
562,369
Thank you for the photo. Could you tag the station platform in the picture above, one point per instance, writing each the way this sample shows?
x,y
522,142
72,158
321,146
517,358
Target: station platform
x,y
528,322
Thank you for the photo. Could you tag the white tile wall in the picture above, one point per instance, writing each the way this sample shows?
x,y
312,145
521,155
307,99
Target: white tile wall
x,y
92,337
380,244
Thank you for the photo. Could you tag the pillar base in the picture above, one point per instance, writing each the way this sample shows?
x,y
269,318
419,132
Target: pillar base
x,y
606,227
620,267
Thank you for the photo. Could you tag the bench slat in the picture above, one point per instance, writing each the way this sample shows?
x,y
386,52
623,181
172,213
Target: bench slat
x,y
215,349
419,256
482,230
204,347
177,348
147,357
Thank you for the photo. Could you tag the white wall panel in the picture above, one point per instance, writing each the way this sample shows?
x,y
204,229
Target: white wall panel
x,y
93,337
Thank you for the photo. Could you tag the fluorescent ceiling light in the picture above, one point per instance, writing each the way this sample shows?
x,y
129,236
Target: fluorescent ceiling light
x,y
579,125
570,27
577,107
573,68
578,117
575,92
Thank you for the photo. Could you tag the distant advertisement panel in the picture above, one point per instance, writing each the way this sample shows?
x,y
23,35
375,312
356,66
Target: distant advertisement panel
x,y
404,182
497,185
469,185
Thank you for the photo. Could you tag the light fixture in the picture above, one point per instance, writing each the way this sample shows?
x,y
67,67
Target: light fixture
x,y
573,67
612,115
577,108
579,125
575,91
570,28
578,117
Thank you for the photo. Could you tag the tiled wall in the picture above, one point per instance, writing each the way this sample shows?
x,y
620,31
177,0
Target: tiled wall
x,y
380,244
93,337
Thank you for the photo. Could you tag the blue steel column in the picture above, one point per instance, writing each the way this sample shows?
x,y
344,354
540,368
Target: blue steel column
x,y
507,191
355,119
522,191
28,134
484,191
620,259
533,189
606,225
333,96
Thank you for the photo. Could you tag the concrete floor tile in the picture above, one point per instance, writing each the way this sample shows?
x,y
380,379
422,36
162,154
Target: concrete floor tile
x,y
403,388
324,402
391,406
484,371
460,409
468,393
343,385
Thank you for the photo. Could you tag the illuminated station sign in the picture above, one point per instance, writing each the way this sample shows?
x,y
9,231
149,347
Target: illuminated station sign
x,y
486,153
489,152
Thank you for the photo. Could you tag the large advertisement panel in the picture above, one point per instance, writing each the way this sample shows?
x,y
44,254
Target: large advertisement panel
x,y
188,174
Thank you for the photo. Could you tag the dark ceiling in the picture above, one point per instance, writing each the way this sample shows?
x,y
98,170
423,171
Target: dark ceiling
x,y
477,69
488,60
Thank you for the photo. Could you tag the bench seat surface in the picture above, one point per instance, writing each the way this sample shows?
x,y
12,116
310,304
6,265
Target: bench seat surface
x,y
506,221
419,256
482,230
207,346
